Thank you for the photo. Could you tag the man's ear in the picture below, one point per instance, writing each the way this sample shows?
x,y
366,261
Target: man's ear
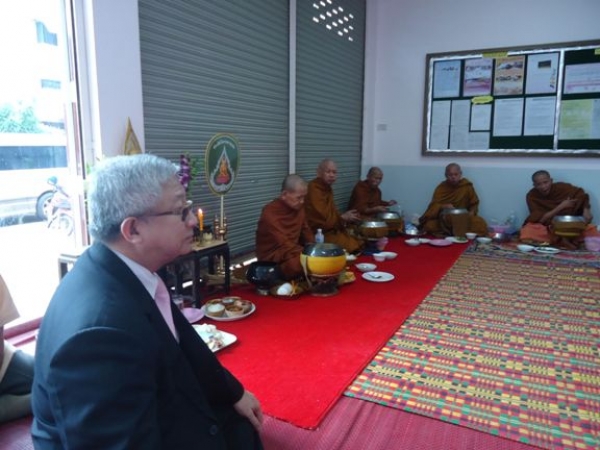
x,y
130,229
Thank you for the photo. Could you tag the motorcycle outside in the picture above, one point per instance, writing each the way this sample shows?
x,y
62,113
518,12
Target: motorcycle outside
x,y
58,209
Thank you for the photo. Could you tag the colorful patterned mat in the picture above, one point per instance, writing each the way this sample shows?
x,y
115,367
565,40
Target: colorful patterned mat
x,y
510,250
509,346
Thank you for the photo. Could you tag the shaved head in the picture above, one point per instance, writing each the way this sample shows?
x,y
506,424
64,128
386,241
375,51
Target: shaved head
x,y
453,174
327,171
293,191
292,182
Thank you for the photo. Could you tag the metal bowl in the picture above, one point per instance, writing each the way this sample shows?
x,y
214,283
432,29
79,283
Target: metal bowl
x,y
568,226
373,229
394,221
414,232
500,237
324,249
388,215
451,211
568,219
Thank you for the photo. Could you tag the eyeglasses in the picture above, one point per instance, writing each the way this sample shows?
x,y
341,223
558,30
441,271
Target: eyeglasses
x,y
184,213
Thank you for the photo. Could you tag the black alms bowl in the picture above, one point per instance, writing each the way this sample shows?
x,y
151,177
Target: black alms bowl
x,y
263,275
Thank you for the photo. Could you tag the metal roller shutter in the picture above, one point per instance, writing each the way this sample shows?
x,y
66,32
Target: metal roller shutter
x,y
329,89
220,67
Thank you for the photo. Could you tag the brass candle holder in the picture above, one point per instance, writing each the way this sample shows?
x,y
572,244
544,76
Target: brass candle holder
x,y
220,231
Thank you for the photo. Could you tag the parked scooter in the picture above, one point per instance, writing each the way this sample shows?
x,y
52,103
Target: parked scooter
x,y
58,210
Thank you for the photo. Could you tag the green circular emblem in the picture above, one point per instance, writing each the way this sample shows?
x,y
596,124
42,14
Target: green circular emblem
x,y
222,162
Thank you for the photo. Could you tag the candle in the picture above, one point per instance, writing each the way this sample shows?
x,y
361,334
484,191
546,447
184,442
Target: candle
x,y
200,219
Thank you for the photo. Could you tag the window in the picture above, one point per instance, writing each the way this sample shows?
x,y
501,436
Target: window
x,y
38,130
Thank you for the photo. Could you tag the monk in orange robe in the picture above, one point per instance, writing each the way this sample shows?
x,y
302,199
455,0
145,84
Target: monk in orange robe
x,y
366,196
548,199
322,213
455,192
282,230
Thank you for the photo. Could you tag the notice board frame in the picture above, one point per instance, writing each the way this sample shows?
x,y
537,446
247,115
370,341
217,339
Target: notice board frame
x,y
537,100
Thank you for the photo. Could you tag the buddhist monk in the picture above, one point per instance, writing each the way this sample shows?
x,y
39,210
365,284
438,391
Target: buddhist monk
x,y
282,229
548,199
366,196
322,213
453,193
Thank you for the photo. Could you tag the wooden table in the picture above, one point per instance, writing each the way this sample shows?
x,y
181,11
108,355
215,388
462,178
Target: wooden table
x,y
207,253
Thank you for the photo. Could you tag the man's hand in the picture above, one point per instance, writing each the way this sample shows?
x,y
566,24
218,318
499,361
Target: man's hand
x,y
351,216
249,407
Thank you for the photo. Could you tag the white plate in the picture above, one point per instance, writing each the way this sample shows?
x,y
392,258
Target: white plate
x,y
231,319
378,277
547,250
424,240
440,242
193,314
228,338
457,240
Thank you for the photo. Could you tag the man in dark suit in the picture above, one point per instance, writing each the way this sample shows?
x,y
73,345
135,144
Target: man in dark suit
x,y
117,365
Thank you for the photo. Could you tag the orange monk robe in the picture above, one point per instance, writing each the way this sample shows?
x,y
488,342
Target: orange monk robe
x,y
364,197
462,195
321,212
280,237
539,205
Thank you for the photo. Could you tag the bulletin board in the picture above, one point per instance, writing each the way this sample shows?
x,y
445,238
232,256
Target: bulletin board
x,y
531,101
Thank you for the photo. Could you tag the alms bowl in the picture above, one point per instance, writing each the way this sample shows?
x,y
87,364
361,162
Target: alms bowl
x,y
323,259
388,215
568,219
451,211
373,229
568,226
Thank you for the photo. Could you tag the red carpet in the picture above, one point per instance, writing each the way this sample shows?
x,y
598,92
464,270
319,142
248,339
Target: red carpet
x,y
299,356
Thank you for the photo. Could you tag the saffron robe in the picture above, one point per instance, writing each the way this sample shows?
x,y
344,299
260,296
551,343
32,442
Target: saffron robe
x,y
365,196
538,204
321,212
462,195
281,235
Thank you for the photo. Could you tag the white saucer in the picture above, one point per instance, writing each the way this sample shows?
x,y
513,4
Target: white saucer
x,y
547,250
378,277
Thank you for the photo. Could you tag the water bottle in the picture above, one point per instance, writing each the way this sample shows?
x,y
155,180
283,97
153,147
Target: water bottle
x,y
511,220
319,238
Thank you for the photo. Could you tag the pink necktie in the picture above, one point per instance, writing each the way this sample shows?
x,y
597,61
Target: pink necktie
x,y
163,301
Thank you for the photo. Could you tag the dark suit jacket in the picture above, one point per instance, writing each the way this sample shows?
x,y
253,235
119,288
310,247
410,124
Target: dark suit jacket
x,y
110,375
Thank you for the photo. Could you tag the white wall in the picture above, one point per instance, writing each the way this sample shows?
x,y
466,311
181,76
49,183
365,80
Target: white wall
x,y
113,73
400,33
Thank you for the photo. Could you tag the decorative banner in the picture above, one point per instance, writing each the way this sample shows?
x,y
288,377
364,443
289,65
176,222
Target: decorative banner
x,y
222,162
132,146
